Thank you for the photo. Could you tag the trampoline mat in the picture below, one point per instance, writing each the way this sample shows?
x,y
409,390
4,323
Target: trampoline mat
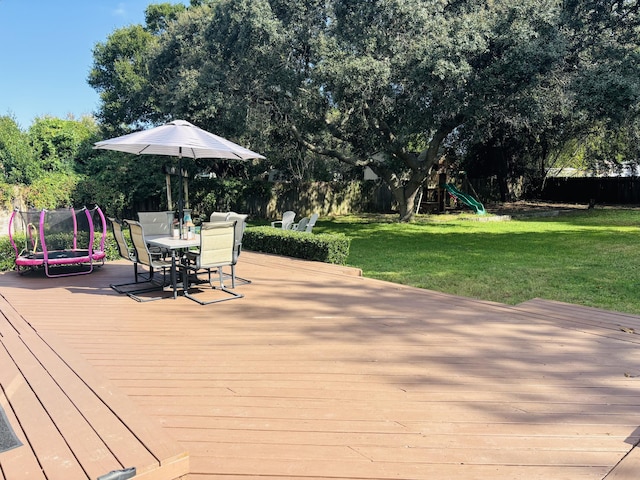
x,y
8,439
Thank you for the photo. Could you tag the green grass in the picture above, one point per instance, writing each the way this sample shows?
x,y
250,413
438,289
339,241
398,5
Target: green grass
x,y
588,258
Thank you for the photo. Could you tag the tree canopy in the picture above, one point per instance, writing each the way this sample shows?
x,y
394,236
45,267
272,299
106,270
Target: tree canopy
x,y
390,84
46,162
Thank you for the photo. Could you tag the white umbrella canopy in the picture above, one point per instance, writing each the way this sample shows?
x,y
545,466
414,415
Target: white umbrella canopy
x,y
178,138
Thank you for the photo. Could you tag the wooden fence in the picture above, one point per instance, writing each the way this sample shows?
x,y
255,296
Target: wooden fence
x,y
339,198
612,190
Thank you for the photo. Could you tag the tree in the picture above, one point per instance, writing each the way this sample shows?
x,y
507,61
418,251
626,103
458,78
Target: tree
x,y
119,76
119,73
159,16
392,84
58,143
581,111
17,159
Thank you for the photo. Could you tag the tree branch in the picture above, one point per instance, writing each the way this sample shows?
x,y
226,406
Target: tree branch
x,y
329,152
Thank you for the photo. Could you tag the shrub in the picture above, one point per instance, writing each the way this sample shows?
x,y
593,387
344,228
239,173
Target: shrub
x,y
324,247
110,246
7,254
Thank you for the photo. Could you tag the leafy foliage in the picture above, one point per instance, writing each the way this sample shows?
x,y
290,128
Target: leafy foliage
x,y
7,253
118,76
17,158
329,248
119,181
51,191
57,143
499,86
46,162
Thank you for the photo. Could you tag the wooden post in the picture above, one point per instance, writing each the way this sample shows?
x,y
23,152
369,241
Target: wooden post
x,y
442,180
185,180
169,200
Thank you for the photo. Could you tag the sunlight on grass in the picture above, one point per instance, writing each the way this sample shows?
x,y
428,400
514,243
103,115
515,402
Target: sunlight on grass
x,y
588,258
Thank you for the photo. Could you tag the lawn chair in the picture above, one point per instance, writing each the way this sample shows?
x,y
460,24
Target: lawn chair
x,y
301,226
306,224
287,220
217,245
219,217
241,223
145,257
126,252
157,223
312,222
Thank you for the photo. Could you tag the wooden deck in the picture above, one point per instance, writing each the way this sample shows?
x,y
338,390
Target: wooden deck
x,y
71,422
318,373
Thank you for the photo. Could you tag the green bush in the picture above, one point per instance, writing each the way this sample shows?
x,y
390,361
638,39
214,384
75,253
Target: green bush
x,y
7,254
110,246
51,191
324,247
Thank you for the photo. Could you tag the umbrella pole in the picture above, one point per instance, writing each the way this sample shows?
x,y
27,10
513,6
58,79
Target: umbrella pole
x,y
180,201
167,178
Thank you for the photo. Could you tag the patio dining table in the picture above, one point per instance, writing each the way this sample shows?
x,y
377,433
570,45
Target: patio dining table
x,y
174,245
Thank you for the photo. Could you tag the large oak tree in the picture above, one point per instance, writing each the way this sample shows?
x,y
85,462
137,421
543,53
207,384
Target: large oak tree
x,y
383,83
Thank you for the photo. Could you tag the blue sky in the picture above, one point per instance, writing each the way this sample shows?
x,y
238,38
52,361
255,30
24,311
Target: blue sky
x,y
46,53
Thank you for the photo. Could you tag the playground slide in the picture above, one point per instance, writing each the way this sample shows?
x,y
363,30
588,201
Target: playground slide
x,y
466,199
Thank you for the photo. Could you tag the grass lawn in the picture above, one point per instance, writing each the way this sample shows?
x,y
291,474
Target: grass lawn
x,y
588,258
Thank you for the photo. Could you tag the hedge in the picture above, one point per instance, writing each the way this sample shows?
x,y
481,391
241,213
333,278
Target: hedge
x,y
323,247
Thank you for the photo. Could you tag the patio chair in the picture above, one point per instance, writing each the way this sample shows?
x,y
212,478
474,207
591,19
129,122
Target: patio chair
x,y
312,222
218,216
217,245
125,252
301,226
156,223
287,220
306,224
145,257
241,224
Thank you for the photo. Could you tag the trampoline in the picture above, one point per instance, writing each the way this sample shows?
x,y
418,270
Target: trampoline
x,y
59,238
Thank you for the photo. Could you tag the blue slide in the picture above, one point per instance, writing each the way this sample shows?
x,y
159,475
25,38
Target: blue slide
x,y
466,199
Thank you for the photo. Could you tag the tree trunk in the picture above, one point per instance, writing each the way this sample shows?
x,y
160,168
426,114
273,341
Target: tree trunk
x,y
405,195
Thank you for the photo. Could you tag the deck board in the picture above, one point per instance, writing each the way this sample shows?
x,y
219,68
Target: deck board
x,y
320,373
68,429
42,450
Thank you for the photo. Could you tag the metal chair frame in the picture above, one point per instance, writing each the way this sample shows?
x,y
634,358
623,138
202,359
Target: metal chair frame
x,y
217,246
145,257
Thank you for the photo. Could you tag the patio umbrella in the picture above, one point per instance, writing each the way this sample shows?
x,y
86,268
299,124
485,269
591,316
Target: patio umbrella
x,y
178,138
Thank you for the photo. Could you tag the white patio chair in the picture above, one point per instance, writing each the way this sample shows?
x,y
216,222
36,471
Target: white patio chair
x,y
301,226
312,222
287,220
218,216
306,224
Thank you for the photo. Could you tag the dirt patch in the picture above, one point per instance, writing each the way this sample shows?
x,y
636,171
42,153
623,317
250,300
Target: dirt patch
x,y
541,208
525,208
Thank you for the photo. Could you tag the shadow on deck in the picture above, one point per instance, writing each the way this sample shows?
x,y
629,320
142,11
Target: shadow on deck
x,y
316,373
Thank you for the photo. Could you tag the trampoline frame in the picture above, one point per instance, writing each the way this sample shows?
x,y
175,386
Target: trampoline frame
x,y
84,256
